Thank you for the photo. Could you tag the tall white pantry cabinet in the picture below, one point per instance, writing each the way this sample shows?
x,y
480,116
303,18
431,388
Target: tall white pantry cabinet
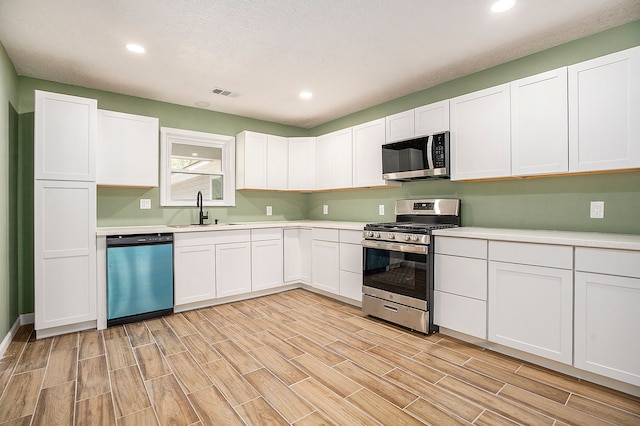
x,y
64,213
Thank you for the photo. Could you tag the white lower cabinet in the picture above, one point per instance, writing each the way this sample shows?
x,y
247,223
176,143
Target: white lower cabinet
x,y
297,255
233,269
531,298
210,265
194,273
65,255
325,260
460,296
266,259
351,264
607,319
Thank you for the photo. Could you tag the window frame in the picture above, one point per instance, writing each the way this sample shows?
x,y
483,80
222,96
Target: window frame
x,y
227,144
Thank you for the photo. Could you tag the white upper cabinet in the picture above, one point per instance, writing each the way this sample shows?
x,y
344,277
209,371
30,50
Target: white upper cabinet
x,y
604,111
481,134
334,160
400,126
302,164
277,160
422,121
251,160
65,137
432,118
261,161
368,139
539,124
127,149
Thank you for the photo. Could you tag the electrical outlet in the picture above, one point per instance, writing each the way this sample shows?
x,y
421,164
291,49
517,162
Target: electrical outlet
x,y
381,209
269,210
325,209
597,210
145,204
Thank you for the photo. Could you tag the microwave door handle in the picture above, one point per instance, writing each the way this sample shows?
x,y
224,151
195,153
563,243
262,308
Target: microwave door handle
x,y
430,152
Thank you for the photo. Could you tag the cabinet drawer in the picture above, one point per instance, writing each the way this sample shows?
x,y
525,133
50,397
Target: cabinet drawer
x,y
351,285
186,239
325,234
351,237
461,314
351,258
606,261
551,256
465,247
461,275
266,234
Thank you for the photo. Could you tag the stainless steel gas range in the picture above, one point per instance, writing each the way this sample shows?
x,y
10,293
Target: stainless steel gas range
x,y
398,262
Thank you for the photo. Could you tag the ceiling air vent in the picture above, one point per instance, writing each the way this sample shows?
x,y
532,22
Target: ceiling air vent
x,y
223,92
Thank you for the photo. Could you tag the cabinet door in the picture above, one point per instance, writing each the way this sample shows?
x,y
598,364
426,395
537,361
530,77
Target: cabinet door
x,y
531,309
606,326
432,118
297,255
127,149
325,269
277,162
251,160
368,139
266,264
539,124
334,160
64,253
604,106
195,273
233,269
400,126
302,164
65,133
480,134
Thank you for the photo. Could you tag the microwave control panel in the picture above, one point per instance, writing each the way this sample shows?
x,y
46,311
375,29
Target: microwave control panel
x,y
439,158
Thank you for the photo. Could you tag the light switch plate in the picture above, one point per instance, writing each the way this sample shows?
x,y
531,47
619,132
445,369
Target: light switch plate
x,y
145,203
597,210
269,210
325,209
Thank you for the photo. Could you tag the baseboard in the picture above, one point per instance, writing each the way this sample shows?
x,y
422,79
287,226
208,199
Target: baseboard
x,y
9,337
27,319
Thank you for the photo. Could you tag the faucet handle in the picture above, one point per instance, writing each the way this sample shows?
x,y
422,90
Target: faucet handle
x,y
205,216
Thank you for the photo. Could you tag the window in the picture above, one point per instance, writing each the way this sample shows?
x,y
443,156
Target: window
x,y
196,161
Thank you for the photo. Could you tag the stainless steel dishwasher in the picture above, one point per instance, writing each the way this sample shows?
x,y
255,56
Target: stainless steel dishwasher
x,y
139,277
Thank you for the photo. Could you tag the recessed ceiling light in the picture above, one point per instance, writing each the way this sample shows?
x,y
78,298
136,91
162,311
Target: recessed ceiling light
x,y
502,5
135,48
306,95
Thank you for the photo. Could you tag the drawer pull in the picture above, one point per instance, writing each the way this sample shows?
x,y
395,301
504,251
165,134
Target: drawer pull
x,y
390,308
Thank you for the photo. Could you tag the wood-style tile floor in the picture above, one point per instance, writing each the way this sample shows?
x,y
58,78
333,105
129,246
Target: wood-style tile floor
x,y
290,358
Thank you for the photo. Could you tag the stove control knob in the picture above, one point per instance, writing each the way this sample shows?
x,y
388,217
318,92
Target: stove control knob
x,y
391,236
377,235
414,238
407,237
370,234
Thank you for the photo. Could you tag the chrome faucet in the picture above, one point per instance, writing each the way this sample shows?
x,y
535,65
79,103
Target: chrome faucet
x,y
199,203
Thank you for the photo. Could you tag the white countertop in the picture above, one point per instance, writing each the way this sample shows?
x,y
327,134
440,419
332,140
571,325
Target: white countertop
x,y
580,239
152,229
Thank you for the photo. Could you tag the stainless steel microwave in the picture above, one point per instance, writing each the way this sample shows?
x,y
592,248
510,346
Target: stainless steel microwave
x,y
421,158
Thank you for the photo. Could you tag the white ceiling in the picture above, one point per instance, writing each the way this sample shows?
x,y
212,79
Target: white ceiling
x,y
352,54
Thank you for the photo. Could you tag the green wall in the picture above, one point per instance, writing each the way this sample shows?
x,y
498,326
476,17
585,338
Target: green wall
x,y
545,203
8,194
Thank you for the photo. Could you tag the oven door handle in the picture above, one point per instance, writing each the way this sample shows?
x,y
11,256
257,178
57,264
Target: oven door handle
x,y
406,248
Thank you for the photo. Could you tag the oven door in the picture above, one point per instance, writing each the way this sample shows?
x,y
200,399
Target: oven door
x,y
396,268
